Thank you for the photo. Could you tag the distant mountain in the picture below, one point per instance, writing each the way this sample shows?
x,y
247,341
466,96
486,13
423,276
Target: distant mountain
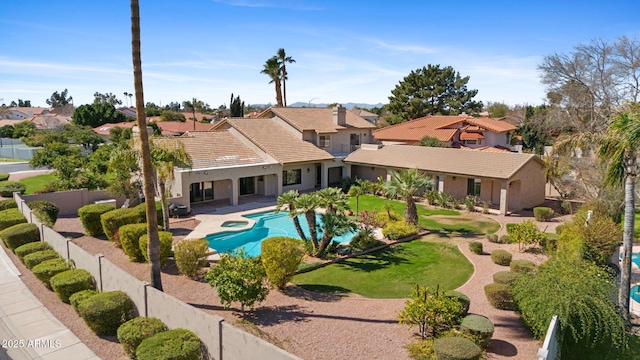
x,y
347,105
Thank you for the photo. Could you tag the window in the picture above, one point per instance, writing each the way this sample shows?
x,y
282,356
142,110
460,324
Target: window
x,y
473,187
473,142
324,141
291,177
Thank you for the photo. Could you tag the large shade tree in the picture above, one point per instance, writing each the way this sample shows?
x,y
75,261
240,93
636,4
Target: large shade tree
x,y
406,184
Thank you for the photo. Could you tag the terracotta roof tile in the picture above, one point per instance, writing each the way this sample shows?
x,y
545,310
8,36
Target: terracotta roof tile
x,y
212,149
318,119
494,125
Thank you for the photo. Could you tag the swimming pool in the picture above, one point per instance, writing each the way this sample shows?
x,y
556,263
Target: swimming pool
x,y
635,293
268,224
635,258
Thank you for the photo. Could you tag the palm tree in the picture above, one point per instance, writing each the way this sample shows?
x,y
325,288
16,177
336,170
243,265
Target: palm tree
x,y
308,203
273,70
406,184
288,200
619,148
283,59
126,97
332,199
333,224
356,191
147,170
192,105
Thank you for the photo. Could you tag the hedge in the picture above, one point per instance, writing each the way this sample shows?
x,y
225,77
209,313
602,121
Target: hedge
x,y
172,344
505,239
11,217
90,217
37,257
463,299
112,221
476,247
505,277
395,230
129,235
479,327
29,248
46,212
543,213
492,238
7,204
134,331
70,282
19,235
104,312
280,257
364,241
499,296
4,176
190,256
79,297
7,188
523,266
456,348
48,269
166,239
501,257
142,212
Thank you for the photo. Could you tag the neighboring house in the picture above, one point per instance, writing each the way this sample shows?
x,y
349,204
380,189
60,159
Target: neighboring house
x,y
514,181
460,131
25,113
169,128
50,121
369,116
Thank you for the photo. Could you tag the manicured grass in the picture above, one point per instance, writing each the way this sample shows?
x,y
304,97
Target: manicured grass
x,y
392,272
368,202
37,183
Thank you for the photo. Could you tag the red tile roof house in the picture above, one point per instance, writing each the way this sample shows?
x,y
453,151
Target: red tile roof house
x,y
461,131
169,128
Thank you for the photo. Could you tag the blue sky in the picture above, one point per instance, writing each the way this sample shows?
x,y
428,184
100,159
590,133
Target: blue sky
x,y
345,51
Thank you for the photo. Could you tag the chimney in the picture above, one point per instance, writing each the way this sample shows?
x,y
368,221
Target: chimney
x,y
340,115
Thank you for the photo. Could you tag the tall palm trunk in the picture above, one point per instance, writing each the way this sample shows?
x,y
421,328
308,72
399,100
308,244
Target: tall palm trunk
x,y
284,84
411,212
311,221
162,189
278,92
147,170
296,223
627,237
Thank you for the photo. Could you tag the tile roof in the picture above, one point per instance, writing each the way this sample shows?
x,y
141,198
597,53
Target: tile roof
x,y
50,121
169,128
497,165
212,149
362,113
105,129
318,119
494,125
33,110
470,135
272,138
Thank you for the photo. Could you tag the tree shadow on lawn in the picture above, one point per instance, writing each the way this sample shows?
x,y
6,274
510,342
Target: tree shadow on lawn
x,y
464,234
377,260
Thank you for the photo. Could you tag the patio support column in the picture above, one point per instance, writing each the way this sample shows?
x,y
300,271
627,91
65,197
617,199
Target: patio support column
x,y
347,170
235,184
504,197
279,183
440,179
324,176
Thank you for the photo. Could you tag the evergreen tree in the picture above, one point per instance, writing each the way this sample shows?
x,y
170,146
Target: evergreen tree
x,y
236,107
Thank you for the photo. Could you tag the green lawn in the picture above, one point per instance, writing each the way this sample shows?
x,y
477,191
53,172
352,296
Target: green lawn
x,y
392,272
37,183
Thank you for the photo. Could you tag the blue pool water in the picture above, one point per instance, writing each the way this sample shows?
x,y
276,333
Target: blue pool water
x,y
635,294
268,224
636,259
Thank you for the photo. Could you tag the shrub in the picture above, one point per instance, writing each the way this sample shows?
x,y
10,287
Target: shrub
x,y
19,235
90,217
364,241
29,248
166,239
476,247
4,176
48,269
46,212
7,188
142,212
112,221
478,326
527,233
543,213
493,238
499,296
79,297
105,312
505,277
70,282
11,217
463,299
566,207
128,235
280,258
510,228
421,349
456,348
560,229
172,344
134,331
470,203
505,239
430,311
501,257
37,257
523,266
190,256
395,230
7,204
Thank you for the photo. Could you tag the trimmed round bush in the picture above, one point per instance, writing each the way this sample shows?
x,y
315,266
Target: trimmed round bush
x,y
456,348
134,331
37,257
190,256
463,299
29,248
510,228
395,230
70,282
7,188
79,297
505,239
501,257
142,212
11,217
560,228
90,217
46,212
522,266
7,204
104,312
280,257
493,238
112,221
480,327
48,269
364,241
4,176
166,239
505,277
129,235
476,247
172,344
499,296
20,234
543,213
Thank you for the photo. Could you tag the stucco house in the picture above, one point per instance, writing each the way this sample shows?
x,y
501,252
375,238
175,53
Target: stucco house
x,y
25,113
460,131
514,181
